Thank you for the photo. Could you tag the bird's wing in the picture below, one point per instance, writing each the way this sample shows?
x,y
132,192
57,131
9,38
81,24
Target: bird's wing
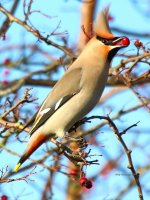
x,y
68,86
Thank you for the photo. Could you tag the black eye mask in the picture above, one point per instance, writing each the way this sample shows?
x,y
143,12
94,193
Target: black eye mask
x,y
108,41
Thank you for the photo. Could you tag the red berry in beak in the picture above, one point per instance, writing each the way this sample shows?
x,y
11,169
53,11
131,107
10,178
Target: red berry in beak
x,y
125,41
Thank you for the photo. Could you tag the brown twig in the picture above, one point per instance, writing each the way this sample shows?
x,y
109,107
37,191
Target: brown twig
x,y
23,178
25,99
142,100
130,185
117,116
121,140
6,23
15,85
133,59
17,126
35,32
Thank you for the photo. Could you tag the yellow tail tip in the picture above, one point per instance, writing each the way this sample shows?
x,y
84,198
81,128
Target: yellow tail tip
x,y
17,167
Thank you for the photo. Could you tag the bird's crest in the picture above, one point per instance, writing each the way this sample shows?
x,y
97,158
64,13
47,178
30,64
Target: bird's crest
x,y
101,26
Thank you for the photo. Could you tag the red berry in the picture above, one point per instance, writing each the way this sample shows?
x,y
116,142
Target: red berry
x,y
138,43
110,18
125,41
73,172
85,183
88,184
7,61
5,82
6,72
4,197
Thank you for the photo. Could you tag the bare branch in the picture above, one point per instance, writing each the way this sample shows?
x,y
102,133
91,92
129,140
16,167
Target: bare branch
x,y
36,33
127,151
6,24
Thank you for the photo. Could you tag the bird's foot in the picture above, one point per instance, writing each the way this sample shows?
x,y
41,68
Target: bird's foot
x,y
81,142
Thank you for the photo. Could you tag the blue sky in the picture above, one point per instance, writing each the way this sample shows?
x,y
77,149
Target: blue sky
x,y
126,17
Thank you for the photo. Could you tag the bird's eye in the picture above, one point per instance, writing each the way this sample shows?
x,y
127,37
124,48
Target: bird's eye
x,y
106,41
103,40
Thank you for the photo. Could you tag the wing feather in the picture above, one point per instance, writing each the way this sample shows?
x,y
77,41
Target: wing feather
x,y
65,89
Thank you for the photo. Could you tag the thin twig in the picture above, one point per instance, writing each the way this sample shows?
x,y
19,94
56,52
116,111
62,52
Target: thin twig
x,y
127,151
36,33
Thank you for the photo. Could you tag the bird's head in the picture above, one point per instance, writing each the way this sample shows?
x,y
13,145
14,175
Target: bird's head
x,y
105,37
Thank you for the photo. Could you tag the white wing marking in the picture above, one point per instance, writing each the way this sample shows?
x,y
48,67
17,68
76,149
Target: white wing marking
x,y
58,103
44,111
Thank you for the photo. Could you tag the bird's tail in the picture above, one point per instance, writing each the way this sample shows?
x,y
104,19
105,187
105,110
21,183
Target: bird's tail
x,y
35,141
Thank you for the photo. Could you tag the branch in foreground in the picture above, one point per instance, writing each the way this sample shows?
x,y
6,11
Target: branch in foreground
x,y
35,32
119,137
6,24
23,178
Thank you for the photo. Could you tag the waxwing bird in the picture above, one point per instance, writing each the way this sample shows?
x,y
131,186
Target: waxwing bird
x,y
79,89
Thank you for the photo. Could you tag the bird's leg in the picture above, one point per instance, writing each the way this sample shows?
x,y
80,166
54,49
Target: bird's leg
x,y
71,138
81,142
78,157
74,128
79,123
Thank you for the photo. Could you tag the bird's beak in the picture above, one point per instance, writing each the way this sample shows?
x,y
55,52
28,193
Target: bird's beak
x,y
121,42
